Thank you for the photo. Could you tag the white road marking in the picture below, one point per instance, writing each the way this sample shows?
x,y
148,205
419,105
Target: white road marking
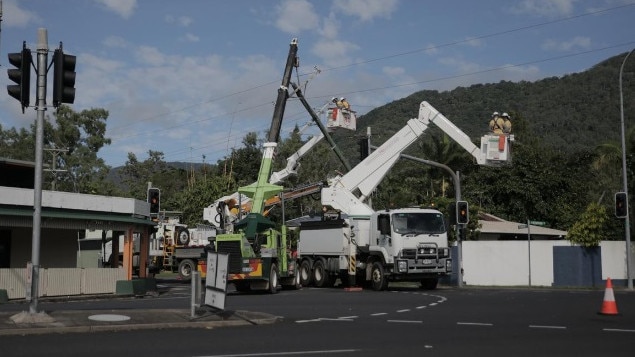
x,y
420,307
406,321
379,314
285,353
475,323
347,319
549,327
404,310
616,330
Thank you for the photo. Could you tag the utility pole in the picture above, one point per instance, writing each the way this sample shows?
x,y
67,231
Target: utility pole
x,y
54,169
42,56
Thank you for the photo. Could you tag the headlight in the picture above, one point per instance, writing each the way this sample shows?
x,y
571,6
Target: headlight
x,y
402,266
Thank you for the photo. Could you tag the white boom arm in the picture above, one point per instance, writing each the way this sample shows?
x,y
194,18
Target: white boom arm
x,y
366,176
292,161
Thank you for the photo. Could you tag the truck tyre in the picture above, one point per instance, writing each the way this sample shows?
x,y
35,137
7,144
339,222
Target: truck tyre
x,y
273,279
291,283
306,278
378,280
321,277
429,283
182,236
186,267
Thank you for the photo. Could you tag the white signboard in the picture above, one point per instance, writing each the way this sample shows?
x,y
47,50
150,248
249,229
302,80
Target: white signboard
x,y
216,279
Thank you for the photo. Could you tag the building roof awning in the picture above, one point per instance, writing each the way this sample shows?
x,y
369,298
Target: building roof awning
x,y
70,219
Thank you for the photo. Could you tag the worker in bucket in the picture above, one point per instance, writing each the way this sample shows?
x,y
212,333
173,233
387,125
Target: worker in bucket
x,y
507,124
496,123
345,104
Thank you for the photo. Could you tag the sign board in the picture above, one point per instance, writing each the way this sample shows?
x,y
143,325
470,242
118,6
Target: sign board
x,y
538,223
216,279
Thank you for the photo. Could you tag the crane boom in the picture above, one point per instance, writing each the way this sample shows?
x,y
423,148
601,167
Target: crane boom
x,y
349,192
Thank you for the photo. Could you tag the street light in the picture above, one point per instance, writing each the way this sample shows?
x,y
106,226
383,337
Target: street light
x,y
627,228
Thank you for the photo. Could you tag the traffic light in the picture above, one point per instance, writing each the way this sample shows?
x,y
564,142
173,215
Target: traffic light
x,y
20,75
621,205
364,150
154,198
462,212
63,78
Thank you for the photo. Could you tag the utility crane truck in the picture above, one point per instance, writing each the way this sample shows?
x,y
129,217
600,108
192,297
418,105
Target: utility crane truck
x,y
357,244
261,257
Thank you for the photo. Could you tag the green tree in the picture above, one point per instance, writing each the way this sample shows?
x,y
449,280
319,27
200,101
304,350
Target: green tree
x,y
589,230
135,176
82,135
76,139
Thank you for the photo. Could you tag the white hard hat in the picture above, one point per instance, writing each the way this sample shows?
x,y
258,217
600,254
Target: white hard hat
x,y
495,114
342,98
505,115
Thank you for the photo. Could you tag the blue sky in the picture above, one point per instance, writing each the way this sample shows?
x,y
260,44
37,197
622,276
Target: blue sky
x,y
191,78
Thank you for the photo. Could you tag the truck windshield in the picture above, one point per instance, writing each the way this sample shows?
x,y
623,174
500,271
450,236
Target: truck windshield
x,y
418,223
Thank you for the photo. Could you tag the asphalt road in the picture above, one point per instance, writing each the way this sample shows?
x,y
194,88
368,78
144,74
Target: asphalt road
x,y
318,322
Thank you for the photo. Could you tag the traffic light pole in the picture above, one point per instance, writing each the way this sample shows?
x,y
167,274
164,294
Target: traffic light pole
x,y
42,54
627,228
457,196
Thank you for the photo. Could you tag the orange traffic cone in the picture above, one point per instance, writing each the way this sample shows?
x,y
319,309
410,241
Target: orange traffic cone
x,y
609,307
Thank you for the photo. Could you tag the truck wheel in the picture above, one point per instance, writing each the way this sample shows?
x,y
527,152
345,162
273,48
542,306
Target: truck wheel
x,y
182,236
273,279
429,283
305,273
321,277
186,267
377,278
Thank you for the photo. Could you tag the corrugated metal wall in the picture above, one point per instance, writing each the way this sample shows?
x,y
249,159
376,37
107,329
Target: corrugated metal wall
x,y
62,281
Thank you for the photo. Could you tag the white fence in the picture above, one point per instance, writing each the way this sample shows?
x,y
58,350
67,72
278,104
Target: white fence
x,y
485,263
514,263
62,281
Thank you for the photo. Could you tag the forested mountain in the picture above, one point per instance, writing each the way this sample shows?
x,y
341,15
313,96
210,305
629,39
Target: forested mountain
x,y
573,112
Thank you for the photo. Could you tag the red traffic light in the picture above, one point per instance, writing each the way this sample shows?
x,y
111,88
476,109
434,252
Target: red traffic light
x,y
154,198
621,205
462,212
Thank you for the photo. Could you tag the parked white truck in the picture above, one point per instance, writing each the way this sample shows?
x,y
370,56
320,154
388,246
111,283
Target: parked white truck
x,y
360,245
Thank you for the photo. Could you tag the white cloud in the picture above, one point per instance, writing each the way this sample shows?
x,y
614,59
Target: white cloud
x,y
473,42
562,46
295,16
115,42
366,10
330,27
14,16
123,8
189,37
547,8
183,21
334,53
150,55
393,71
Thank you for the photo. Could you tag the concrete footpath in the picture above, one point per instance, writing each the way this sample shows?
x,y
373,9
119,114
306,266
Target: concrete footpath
x,y
70,321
